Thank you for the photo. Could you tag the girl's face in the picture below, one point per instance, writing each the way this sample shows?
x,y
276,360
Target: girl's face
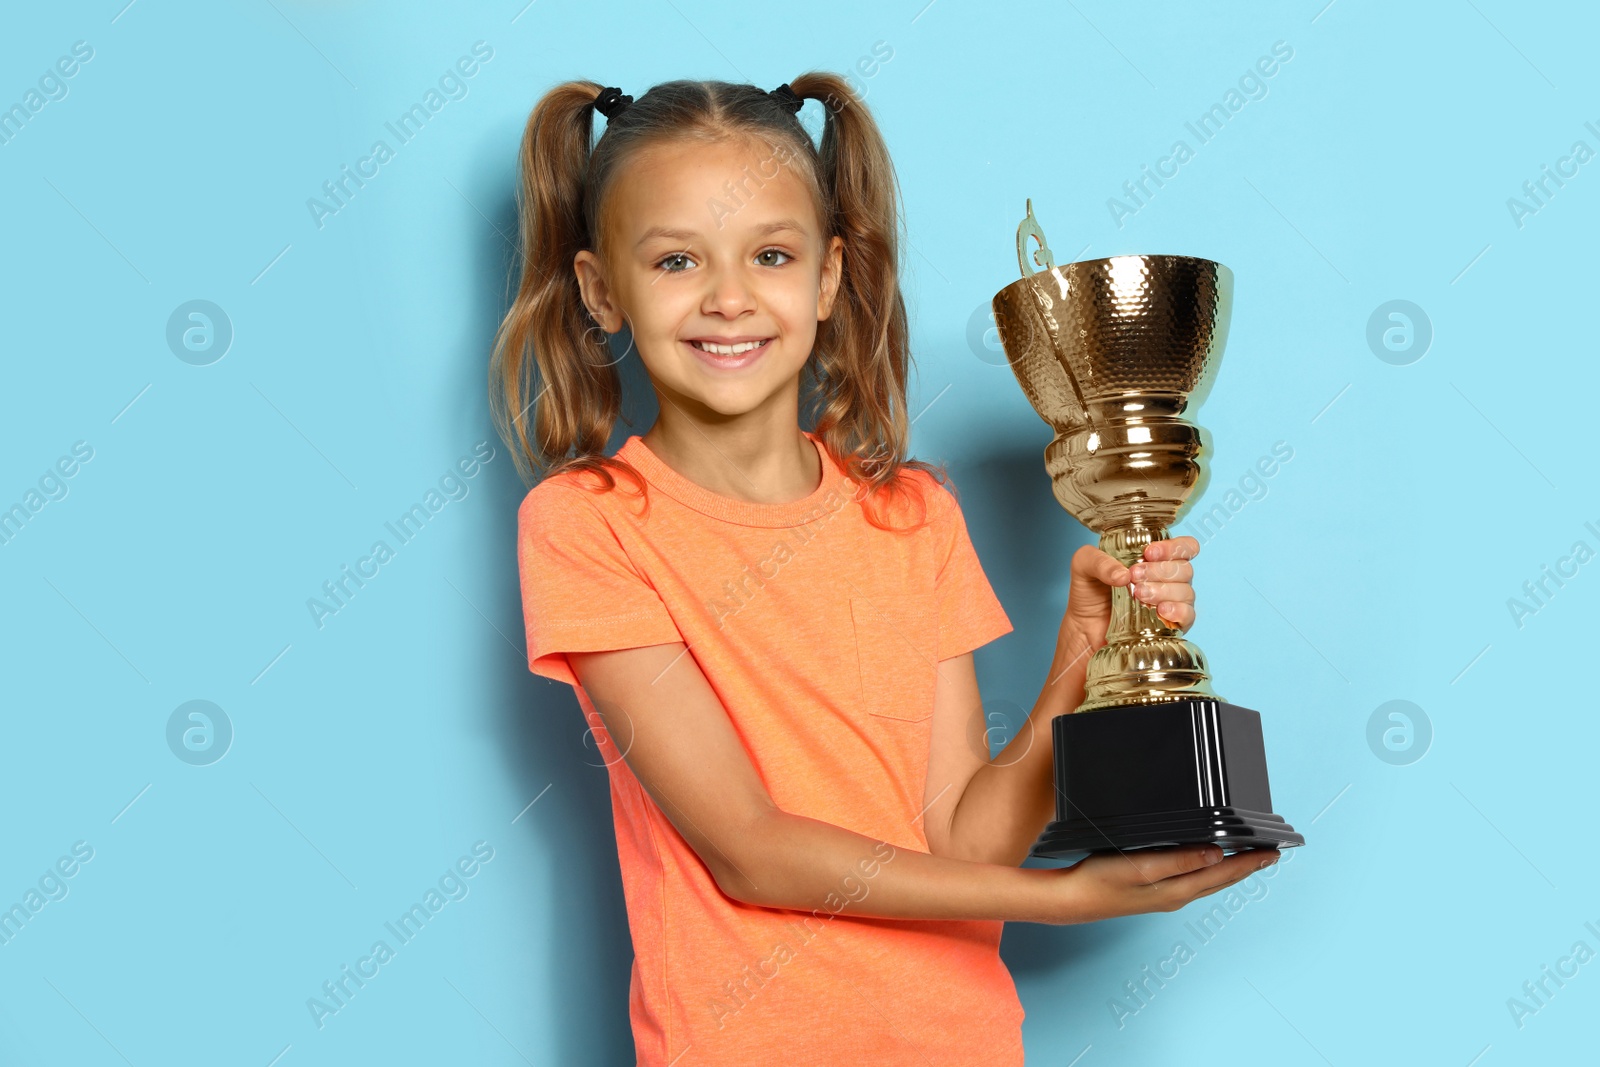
x,y
716,259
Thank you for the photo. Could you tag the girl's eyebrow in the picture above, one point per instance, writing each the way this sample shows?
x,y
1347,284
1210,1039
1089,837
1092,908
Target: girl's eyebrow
x,y
779,224
662,231
689,235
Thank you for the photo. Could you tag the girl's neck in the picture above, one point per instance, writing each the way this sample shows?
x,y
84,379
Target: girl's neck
x,y
771,464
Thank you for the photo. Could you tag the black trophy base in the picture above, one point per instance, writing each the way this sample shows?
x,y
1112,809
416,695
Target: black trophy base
x,y
1185,772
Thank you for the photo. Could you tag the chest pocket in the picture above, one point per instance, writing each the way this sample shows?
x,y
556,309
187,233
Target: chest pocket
x,y
896,646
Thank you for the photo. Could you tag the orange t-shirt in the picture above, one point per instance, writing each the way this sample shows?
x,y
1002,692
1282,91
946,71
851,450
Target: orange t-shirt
x,y
820,634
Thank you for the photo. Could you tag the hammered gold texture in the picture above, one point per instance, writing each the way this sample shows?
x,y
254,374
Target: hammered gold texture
x,y
1110,353
1143,324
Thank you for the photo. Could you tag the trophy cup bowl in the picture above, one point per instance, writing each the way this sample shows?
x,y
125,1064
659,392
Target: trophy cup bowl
x,y
1112,353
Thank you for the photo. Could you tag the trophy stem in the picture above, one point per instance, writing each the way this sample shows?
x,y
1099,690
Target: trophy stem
x,y
1144,660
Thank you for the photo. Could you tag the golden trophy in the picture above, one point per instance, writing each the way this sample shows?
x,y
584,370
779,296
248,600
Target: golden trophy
x,y
1111,353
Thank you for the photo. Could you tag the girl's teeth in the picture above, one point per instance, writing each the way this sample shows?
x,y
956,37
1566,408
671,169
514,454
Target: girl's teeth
x,y
727,350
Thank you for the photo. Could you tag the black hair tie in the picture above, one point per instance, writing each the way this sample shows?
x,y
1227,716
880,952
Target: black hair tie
x,y
788,97
611,101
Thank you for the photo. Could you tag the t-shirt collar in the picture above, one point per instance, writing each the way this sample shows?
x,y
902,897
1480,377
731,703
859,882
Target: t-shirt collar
x,y
827,496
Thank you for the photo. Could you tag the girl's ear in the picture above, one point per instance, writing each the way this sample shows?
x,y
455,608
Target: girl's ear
x,y
832,274
596,291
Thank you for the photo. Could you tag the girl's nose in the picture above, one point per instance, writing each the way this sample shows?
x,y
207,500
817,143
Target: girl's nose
x,y
729,294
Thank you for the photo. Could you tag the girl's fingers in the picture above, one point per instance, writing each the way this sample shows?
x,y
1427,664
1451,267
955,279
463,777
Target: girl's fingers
x,y
1185,547
1172,600
1153,593
1235,868
1162,580
1178,570
1225,885
1153,865
1179,615
1096,564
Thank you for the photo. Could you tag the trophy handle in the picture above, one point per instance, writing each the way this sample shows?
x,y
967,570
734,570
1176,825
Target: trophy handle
x,y
1042,256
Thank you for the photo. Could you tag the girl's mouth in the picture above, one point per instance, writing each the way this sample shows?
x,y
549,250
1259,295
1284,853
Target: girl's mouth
x,y
730,356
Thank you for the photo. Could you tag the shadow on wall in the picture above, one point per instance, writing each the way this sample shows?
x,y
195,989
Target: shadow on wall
x,y
1025,542
583,988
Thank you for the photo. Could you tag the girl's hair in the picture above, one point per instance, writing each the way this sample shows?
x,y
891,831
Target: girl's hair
x,y
858,367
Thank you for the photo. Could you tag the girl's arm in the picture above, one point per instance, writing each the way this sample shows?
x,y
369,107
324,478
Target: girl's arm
x,y
678,741
993,810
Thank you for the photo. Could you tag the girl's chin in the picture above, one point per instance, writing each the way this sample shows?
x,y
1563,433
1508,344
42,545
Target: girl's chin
x,y
725,396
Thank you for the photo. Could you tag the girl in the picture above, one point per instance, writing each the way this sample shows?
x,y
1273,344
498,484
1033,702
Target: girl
x,y
771,628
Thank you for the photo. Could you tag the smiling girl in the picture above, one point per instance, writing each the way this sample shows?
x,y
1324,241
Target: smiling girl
x,y
771,628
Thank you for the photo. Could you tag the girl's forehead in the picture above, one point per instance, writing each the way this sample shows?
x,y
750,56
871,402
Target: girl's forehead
x,y
710,187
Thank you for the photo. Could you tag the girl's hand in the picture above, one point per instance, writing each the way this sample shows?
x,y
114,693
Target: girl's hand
x,y
1161,579
1112,884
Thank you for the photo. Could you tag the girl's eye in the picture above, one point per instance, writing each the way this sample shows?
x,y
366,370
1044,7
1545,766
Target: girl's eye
x,y
678,262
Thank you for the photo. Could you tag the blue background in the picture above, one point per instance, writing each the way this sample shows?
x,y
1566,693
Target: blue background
x,y
371,753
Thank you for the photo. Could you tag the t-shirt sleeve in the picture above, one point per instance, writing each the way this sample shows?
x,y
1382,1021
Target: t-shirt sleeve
x,y
580,591
970,614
